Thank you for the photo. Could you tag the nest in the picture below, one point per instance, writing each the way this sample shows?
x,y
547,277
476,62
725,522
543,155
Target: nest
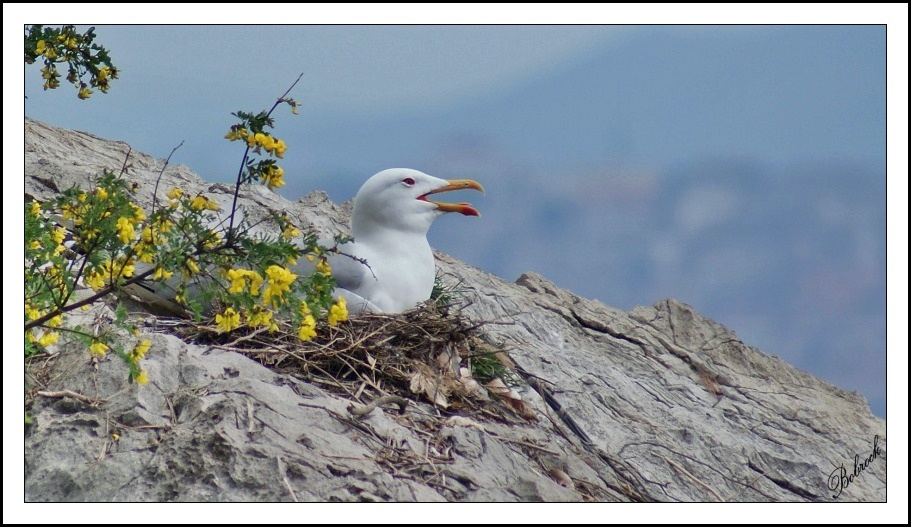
x,y
431,353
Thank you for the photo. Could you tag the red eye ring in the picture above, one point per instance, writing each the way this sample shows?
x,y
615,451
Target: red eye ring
x,y
408,181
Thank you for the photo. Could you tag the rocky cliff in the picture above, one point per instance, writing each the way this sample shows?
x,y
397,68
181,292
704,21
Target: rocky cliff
x,y
654,404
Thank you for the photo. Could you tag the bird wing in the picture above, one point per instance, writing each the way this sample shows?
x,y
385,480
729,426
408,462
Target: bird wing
x,y
350,272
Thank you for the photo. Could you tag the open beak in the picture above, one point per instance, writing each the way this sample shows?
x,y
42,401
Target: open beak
x,y
455,184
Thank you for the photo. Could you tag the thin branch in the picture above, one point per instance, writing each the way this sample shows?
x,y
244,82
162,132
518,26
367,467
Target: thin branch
x,y
158,179
71,394
694,478
89,300
379,401
243,162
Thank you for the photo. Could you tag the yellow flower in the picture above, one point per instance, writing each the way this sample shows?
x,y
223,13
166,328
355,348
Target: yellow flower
x,y
49,338
98,348
161,274
103,74
190,264
32,312
140,350
145,255
279,281
272,176
97,276
228,321
84,93
280,148
59,235
201,202
55,321
213,240
40,47
308,328
125,230
127,268
338,312
173,196
35,245
291,232
323,267
261,317
237,281
142,378
239,277
35,209
237,132
255,282
94,280
138,213
101,193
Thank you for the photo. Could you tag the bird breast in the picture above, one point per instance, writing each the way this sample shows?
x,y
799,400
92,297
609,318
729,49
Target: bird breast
x,y
400,275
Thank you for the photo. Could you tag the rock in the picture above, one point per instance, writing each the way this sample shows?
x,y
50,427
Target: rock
x,y
655,404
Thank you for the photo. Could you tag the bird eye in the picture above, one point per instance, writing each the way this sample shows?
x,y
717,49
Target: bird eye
x,y
408,182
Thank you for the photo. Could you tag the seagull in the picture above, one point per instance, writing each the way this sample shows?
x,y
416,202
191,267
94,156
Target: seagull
x,y
389,266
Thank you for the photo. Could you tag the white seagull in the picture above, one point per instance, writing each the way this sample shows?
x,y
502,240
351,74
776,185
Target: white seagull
x,y
389,266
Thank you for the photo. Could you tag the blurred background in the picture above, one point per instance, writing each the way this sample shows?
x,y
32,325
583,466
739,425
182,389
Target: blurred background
x,y
738,169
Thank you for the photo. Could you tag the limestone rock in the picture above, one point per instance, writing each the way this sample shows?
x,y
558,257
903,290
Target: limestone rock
x,y
656,404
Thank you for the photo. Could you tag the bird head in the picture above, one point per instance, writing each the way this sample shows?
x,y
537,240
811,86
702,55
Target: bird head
x,y
398,199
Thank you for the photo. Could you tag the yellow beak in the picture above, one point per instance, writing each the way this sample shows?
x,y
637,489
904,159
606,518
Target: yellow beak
x,y
455,184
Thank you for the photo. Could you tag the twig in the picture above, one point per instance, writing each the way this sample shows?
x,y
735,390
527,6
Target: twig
x,y
530,445
250,424
386,399
69,393
287,483
694,478
158,179
104,450
243,163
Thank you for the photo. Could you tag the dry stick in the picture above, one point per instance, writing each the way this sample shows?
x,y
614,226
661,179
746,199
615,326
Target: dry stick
x,y
694,478
103,452
379,401
71,394
255,333
281,470
523,443
251,428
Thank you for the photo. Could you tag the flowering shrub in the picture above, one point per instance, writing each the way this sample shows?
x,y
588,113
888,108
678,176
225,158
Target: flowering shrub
x,y
101,241
76,52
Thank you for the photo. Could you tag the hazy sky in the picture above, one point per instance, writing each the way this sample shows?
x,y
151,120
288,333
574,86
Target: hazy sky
x,y
174,76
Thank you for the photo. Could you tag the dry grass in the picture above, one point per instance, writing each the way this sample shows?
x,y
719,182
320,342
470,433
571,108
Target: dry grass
x,y
432,353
